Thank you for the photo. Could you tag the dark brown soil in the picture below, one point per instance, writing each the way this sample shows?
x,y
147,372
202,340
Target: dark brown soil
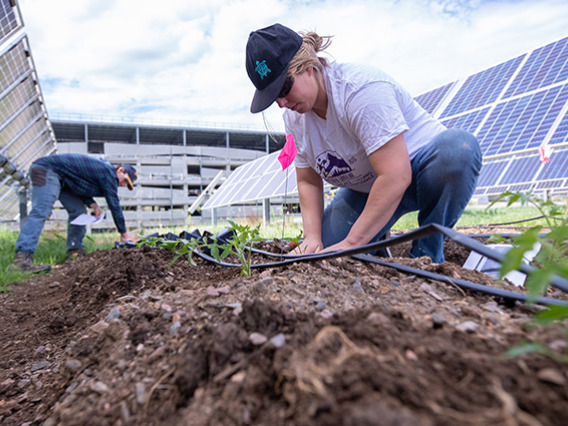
x,y
121,337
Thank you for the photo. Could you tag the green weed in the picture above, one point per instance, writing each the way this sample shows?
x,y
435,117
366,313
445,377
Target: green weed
x,y
551,260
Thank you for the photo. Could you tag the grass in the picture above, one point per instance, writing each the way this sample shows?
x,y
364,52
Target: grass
x,y
52,248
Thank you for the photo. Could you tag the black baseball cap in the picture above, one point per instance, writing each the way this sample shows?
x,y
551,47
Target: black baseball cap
x,y
269,51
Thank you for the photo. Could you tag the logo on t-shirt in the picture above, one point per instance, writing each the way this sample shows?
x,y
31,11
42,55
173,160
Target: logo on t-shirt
x,y
329,164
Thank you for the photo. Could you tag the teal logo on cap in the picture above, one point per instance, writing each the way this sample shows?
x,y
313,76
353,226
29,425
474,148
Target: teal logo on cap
x,y
262,69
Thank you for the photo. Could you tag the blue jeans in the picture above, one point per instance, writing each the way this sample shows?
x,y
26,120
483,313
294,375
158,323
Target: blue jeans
x,y
444,176
46,189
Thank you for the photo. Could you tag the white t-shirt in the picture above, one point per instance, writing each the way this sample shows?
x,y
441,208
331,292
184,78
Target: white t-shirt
x,y
366,109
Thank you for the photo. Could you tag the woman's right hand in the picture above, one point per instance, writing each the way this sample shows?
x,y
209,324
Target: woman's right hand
x,y
308,246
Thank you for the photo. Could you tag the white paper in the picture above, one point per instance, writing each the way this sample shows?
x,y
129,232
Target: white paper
x,y
476,261
87,219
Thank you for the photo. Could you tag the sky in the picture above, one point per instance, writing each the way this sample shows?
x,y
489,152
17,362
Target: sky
x,y
183,61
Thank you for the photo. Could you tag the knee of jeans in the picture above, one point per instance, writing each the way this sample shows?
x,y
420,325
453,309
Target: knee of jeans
x,y
75,211
456,150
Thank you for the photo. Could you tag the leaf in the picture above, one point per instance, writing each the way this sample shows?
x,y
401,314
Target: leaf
x,y
514,257
552,314
526,348
537,282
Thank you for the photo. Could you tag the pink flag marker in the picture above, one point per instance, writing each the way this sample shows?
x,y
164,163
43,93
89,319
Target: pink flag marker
x,y
288,153
544,151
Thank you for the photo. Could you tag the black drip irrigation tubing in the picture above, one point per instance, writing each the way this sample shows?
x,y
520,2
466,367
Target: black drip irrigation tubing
x,y
359,254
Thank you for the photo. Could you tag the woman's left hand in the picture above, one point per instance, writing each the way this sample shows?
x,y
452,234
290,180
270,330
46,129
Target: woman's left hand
x,y
342,245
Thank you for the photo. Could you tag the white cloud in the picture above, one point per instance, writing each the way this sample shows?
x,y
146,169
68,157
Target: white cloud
x,y
184,60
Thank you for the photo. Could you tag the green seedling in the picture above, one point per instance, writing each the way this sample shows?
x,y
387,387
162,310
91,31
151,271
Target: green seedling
x,y
240,245
551,260
178,247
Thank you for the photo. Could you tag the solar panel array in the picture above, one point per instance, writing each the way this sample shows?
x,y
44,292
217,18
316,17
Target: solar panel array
x,y
512,108
25,131
253,181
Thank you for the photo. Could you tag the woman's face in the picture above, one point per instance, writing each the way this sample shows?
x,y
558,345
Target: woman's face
x,y
303,94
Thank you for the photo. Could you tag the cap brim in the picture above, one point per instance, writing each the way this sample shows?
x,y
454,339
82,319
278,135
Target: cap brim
x,y
262,99
129,182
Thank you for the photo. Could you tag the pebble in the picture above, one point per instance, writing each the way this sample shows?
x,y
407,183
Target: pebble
x,y
411,355
238,377
492,307
40,365
265,281
278,341
73,365
99,387
113,314
257,339
158,353
100,326
51,421
174,328
212,291
470,311
378,318
140,393
468,326
24,383
225,289
551,375
438,321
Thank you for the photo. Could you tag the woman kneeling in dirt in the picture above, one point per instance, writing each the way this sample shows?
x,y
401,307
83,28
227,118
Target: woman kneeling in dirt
x,y
358,129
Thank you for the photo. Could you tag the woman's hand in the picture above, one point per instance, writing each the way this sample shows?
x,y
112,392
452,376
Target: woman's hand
x,y
342,245
308,246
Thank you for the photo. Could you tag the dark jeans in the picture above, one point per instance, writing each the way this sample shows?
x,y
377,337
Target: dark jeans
x,y
444,176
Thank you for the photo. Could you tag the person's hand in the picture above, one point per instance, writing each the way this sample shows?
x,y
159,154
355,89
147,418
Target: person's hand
x,y
96,210
342,245
308,246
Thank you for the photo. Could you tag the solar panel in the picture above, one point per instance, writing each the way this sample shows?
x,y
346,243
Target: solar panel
x,y
522,123
8,20
468,121
432,99
522,169
25,132
259,179
558,166
491,172
560,135
545,66
482,88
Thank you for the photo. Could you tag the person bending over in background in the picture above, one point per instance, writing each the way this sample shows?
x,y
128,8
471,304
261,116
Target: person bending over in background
x,y
358,129
73,179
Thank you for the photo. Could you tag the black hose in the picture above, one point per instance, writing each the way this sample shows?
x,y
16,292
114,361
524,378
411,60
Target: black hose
x,y
358,253
506,294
